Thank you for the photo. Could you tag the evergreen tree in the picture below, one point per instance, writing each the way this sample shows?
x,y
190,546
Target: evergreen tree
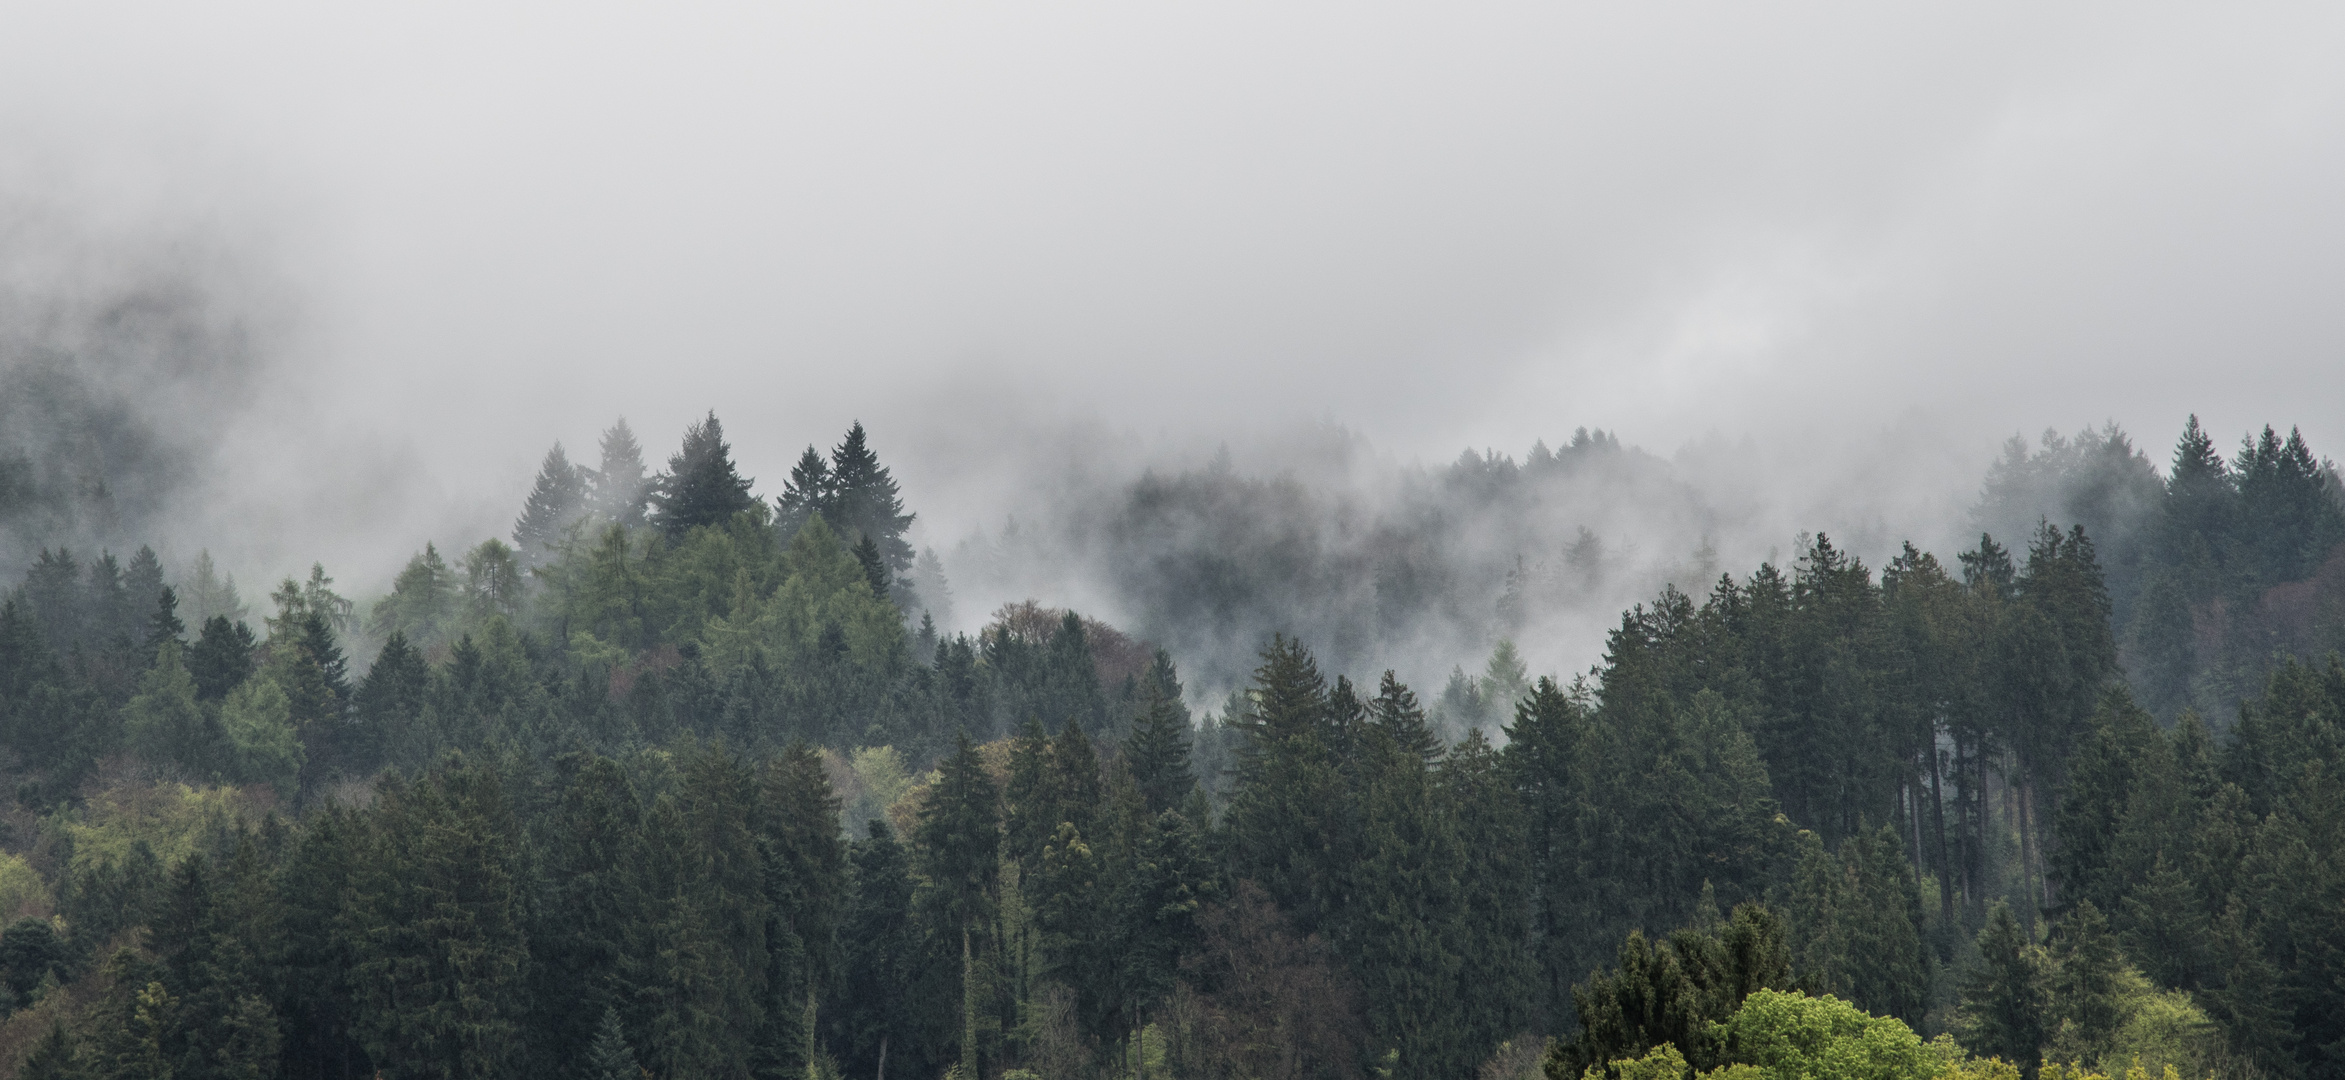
x,y
877,940
865,501
1157,754
957,845
439,962
807,494
54,1059
588,940
2199,518
700,486
221,658
620,490
1398,716
875,570
559,500
1284,816
164,624
2003,1000
608,1057
2086,973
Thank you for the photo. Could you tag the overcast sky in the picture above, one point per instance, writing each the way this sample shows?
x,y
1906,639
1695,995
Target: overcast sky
x,y
479,227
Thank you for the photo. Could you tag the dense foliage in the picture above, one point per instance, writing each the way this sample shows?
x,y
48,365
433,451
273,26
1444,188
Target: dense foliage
x,y
675,785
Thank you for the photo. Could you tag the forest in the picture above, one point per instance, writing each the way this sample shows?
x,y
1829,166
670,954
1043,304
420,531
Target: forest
x,y
683,780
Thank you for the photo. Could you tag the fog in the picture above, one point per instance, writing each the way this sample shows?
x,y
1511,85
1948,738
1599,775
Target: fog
x,y
1822,258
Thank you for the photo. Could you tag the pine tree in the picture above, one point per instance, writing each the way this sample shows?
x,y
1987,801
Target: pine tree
x,y
438,956
608,1057
588,941
1157,754
54,1059
2087,970
2003,1001
700,486
559,500
957,846
807,494
875,569
865,499
620,490
1283,817
1399,717
877,939
164,624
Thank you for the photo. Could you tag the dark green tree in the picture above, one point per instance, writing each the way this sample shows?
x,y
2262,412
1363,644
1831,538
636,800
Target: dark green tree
x,y
878,943
439,961
700,486
1157,753
864,499
2003,1000
608,1056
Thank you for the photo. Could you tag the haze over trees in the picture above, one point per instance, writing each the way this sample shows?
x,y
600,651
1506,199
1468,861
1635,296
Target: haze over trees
x,y
686,781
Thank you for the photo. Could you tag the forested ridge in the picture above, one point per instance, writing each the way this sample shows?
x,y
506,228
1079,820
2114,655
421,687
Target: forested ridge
x,y
684,781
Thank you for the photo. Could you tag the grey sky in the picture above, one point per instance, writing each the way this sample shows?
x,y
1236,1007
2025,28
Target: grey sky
x,y
488,226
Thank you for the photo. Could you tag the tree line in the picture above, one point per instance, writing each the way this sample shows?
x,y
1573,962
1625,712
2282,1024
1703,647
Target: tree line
x,y
674,785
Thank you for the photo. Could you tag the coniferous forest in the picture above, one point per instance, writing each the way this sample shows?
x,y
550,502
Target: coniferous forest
x,y
683,780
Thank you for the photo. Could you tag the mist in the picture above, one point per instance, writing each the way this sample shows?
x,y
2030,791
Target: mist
x,y
1810,267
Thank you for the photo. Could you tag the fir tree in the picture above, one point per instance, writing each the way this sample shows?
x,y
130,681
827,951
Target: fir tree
x,y
608,1057
164,624
807,494
559,500
620,490
875,569
1157,754
1401,720
864,499
877,938
700,486
2003,1000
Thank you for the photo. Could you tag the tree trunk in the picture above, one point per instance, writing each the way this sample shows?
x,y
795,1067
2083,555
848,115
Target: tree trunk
x,y
1938,816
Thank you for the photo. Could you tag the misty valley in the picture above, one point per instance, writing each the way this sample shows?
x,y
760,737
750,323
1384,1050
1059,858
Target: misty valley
x,y
683,778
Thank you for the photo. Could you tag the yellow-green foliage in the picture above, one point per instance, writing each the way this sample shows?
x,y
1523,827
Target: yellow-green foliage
x,y
1791,1036
1662,1062
2157,1029
22,892
258,720
171,818
1953,1064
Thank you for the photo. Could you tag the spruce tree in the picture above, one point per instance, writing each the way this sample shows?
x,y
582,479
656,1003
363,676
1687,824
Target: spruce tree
x,y
866,501
54,1059
1399,717
875,568
1157,753
608,1057
2087,972
807,494
164,624
701,486
1285,816
221,657
558,501
877,939
2003,1000
620,490
438,948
